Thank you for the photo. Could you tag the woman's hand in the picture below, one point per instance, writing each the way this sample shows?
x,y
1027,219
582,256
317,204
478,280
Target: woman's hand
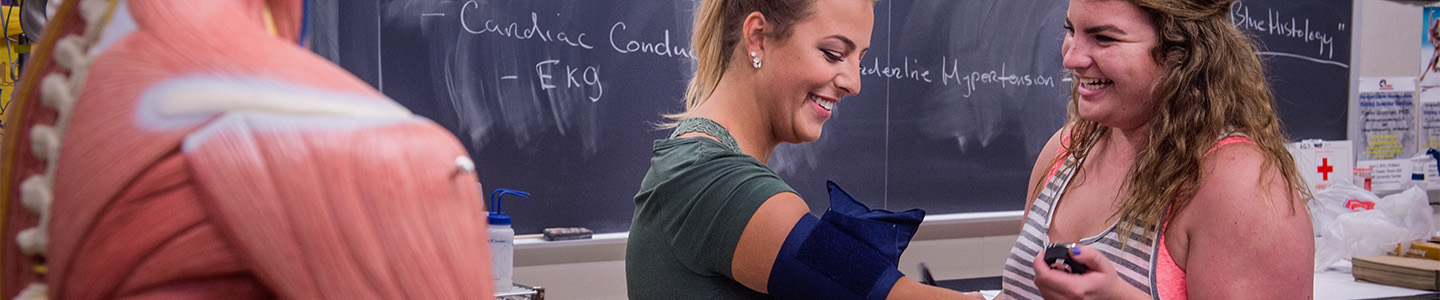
x,y
1100,282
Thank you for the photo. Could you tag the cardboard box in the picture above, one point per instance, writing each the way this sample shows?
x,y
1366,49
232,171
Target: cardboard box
x,y
1426,250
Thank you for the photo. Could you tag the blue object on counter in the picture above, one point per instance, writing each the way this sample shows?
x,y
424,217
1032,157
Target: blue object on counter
x,y
1436,154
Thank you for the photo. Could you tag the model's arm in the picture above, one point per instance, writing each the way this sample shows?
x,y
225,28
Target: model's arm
x,y
1244,235
379,211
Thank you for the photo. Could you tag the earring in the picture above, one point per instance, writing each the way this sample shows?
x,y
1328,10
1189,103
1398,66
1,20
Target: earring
x,y
754,60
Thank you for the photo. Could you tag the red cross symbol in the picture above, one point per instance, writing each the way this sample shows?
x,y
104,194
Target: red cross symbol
x,y
1325,168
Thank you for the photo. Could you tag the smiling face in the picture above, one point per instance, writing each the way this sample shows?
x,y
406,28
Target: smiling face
x,y
804,76
1108,47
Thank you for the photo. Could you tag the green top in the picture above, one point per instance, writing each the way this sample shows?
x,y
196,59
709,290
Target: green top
x,y
692,206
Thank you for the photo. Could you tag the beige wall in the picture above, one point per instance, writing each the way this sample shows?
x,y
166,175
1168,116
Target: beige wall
x,y
1386,43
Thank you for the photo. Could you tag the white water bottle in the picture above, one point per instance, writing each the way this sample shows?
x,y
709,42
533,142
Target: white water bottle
x,y
502,242
502,253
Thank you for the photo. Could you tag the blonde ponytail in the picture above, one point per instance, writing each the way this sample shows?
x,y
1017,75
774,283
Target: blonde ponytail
x,y
710,59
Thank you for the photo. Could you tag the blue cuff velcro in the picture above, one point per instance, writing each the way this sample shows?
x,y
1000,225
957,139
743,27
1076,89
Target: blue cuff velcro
x,y
819,261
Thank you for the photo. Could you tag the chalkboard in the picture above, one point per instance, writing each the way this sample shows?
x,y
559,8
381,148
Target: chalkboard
x,y
1306,49
559,98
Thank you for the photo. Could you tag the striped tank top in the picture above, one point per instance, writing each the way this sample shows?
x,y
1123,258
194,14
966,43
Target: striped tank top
x,y
1134,263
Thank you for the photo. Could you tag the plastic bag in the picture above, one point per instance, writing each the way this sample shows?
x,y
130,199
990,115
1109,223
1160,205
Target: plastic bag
x,y
1352,222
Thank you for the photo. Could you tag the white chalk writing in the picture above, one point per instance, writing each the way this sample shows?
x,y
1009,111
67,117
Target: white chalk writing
x,y
551,74
513,30
1274,23
663,48
902,72
912,70
974,79
589,77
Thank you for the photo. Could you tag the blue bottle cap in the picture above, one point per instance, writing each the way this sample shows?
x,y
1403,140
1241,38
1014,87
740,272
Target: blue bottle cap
x,y
499,218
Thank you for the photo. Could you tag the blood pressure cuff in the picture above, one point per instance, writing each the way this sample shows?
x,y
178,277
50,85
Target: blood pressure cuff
x,y
885,231
851,253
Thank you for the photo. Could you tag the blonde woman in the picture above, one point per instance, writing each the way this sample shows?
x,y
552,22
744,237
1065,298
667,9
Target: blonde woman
x,y
712,221
1171,173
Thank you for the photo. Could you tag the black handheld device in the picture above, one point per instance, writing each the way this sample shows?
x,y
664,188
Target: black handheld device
x,y
1058,257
